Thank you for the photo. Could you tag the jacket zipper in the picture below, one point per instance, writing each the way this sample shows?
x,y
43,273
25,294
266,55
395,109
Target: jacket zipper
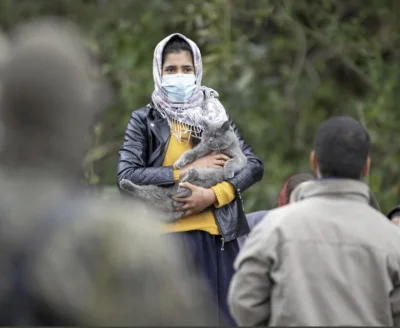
x,y
219,227
241,199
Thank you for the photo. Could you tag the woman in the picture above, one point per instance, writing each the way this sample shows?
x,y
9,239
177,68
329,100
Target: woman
x,y
160,132
284,198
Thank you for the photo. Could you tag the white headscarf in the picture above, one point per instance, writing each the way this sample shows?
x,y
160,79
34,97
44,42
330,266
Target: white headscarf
x,y
202,106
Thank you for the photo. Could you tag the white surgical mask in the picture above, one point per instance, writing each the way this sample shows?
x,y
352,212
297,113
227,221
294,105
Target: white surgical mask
x,y
179,87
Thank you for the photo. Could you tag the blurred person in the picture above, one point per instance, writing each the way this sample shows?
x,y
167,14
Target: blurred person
x,y
329,259
394,215
4,49
295,180
290,185
171,124
67,258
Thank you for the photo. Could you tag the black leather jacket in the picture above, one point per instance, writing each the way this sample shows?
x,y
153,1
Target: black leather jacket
x,y
142,153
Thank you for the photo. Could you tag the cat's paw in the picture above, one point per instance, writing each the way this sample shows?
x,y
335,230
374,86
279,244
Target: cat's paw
x,y
191,175
185,159
179,163
179,215
177,204
228,173
126,185
183,192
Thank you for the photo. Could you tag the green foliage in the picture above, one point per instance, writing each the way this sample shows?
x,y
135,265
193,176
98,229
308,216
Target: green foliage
x,y
281,68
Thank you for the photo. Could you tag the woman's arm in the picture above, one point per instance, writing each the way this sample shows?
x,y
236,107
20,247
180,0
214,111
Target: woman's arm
x,y
254,170
132,161
224,192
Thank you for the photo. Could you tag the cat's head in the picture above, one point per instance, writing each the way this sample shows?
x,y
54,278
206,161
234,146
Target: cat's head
x,y
218,136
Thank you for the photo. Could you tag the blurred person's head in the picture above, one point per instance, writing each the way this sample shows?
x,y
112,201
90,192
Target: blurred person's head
x,y
50,94
4,49
341,149
394,215
291,184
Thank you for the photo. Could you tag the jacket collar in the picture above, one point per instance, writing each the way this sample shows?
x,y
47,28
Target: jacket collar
x,y
158,125
339,188
160,128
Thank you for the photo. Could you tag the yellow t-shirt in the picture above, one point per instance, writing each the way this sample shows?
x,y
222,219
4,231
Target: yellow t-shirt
x,y
224,192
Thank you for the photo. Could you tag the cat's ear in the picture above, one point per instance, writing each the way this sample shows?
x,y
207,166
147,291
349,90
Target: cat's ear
x,y
225,126
207,126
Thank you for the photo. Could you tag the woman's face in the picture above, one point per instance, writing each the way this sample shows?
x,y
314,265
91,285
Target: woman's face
x,y
178,63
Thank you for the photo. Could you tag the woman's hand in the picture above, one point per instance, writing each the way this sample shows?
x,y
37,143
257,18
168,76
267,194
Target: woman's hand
x,y
212,160
199,200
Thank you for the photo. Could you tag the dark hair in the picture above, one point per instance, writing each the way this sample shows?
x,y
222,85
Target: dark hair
x,y
342,146
295,180
175,45
395,212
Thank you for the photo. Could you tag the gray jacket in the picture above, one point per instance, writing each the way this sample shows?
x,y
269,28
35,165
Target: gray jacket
x,y
329,259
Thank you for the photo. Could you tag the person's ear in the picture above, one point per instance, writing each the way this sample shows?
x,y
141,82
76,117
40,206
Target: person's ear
x,y
225,126
366,167
313,162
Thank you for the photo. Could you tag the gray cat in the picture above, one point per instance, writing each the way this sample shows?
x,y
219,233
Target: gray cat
x,y
219,138
215,137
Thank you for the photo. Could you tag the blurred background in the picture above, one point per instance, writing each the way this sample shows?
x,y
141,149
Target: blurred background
x,y
281,68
